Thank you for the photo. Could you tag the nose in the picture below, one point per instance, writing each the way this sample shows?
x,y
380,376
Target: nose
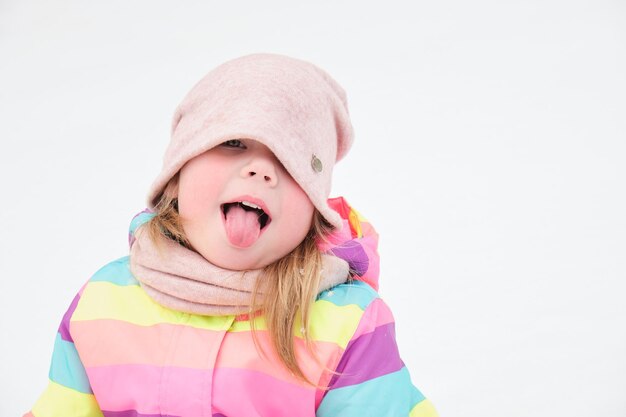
x,y
261,168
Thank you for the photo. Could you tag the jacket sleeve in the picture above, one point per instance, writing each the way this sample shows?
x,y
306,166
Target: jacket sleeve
x,y
373,380
68,392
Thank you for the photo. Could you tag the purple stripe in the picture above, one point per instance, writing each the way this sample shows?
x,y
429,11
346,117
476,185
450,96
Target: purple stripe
x,y
132,413
369,356
64,327
353,253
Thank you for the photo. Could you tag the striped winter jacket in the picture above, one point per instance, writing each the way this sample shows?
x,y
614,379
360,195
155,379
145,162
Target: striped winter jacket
x,y
120,354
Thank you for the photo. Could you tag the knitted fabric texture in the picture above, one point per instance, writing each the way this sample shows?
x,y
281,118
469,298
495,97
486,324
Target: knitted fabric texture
x,y
184,280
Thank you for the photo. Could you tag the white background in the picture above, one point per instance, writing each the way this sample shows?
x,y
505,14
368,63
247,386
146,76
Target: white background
x,y
489,155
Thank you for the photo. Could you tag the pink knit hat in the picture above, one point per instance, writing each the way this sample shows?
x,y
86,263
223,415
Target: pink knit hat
x,y
292,106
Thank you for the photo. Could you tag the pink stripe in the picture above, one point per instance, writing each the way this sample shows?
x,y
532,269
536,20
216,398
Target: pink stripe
x,y
265,396
376,314
130,413
99,344
138,387
110,342
238,351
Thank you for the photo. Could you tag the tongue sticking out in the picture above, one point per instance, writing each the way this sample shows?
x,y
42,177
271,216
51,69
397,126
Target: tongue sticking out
x,y
242,227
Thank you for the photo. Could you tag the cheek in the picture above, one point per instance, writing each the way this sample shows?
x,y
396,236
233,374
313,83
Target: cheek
x,y
300,209
200,185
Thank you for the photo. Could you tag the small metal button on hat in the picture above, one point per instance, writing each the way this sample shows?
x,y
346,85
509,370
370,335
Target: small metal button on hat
x,y
316,164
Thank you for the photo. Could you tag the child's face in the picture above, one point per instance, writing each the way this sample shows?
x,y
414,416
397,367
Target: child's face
x,y
235,171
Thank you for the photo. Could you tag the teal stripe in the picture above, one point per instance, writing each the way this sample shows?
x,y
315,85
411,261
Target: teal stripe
x,y
416,397
386,396
356,292
66,368
116,272
138,220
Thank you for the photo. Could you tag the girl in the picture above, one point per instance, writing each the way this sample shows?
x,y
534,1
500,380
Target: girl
x,y
247,291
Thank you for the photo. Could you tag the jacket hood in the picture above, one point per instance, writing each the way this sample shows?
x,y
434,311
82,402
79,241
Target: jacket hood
x,y
356,242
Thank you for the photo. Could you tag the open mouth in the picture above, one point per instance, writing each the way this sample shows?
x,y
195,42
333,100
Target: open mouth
x,y
263,218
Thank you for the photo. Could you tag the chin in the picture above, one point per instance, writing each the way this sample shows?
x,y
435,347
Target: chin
x,y
236,262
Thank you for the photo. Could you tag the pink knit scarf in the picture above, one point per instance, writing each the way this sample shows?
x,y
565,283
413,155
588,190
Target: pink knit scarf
x,y
184,280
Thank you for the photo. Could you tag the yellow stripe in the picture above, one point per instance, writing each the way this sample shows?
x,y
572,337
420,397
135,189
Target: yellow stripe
x,y
244,325
130,303
424,409
60,401
353,218
333,323
329,323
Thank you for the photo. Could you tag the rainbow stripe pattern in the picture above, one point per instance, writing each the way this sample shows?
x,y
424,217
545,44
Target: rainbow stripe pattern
x,y
118,353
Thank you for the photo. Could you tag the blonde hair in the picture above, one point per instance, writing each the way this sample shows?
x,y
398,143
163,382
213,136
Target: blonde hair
x,y
290,284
